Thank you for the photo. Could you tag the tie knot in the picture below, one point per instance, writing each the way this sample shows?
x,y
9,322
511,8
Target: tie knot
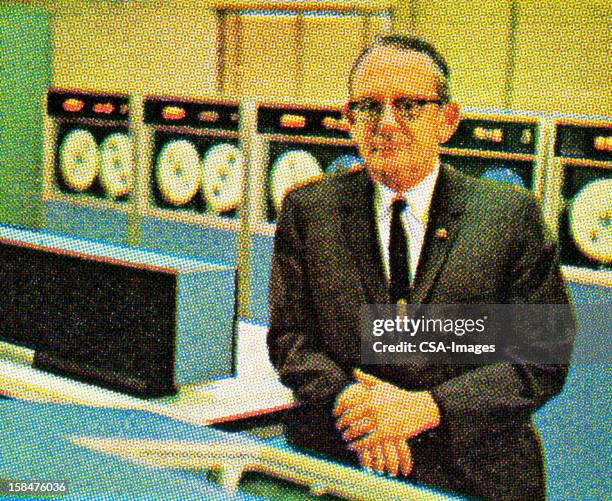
x,y
398,205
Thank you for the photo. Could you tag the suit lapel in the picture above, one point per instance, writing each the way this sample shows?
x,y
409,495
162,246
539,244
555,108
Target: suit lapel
x,y
359,228
446,206
357,207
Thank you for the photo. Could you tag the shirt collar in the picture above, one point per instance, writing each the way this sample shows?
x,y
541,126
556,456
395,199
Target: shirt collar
x,y
418,197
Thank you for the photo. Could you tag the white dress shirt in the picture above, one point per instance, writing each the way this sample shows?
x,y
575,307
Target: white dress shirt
x,y
414,218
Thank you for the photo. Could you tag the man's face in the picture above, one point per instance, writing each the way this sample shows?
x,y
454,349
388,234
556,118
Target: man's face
x,y
396,117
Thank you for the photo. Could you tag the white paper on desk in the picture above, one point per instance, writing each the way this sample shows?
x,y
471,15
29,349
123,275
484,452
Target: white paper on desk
x,y
230,399
252,353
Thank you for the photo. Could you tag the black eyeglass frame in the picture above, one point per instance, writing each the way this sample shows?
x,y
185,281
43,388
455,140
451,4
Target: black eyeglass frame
x,y
405,108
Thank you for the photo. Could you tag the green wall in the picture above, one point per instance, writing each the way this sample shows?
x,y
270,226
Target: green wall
x,y
25,74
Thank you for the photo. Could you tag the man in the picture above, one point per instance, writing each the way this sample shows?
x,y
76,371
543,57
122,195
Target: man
x,y
463,428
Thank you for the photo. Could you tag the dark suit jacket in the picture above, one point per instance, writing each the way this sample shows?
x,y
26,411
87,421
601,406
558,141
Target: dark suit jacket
x,y
327,263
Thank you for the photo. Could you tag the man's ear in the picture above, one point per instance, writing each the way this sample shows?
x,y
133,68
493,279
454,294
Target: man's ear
x,y
451,118
348,113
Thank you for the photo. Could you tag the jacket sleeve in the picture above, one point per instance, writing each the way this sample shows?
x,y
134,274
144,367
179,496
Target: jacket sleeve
x,y
493,397
293,340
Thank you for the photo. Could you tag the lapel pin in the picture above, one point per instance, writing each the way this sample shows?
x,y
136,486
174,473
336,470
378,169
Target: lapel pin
x,y
441,233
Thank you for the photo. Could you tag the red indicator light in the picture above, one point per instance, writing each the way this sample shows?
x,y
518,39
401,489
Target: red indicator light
x,y
293,121
208,116
73,105
492,135
174,113
603,143
332,123
105,108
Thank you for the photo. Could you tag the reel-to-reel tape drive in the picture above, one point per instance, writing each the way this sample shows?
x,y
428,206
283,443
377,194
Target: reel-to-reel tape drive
x,y
198,164
90,174
580,196
504,148
204,178
194,180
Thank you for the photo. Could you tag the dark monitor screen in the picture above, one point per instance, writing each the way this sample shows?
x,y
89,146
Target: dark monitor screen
x,y
99,320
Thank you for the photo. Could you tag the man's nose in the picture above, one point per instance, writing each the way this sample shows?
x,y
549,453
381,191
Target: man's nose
x,y
388,121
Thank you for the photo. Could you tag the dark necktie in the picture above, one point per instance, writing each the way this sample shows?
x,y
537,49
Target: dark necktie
x,y
399,267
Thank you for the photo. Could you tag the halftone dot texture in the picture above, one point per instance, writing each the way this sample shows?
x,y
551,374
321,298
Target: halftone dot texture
x,y
559,64
42,433
35,446
25,60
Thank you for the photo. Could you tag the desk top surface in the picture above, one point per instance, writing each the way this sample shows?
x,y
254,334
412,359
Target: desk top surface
x,y
35,445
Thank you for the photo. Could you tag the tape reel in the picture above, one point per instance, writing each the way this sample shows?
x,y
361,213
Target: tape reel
x,y
79,159
222,175
504,175
290,169
343,163
117,168
590,220
178,171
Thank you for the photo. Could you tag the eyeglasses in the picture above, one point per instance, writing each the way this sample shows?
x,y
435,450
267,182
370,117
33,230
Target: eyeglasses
x,y
404,109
